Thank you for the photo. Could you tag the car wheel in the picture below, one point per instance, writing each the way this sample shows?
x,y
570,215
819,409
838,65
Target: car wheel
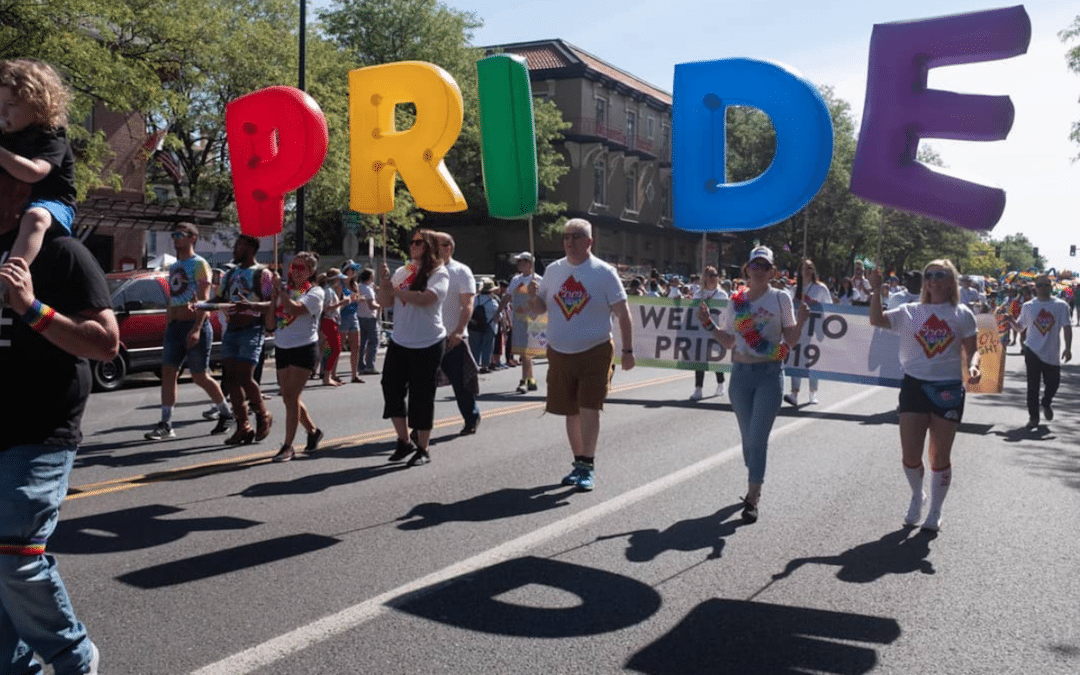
x,y
109,375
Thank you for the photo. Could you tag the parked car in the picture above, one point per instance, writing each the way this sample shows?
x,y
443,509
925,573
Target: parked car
x,y
140,300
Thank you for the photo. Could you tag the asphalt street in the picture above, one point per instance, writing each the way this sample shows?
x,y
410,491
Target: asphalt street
x,y
186,556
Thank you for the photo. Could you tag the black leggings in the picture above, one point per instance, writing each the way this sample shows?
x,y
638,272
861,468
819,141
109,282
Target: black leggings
x,y
411,373
699,378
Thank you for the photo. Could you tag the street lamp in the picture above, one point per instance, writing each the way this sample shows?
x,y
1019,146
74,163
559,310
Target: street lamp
x,y
301,86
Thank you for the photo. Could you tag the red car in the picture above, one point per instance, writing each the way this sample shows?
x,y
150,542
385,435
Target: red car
x,y
140,300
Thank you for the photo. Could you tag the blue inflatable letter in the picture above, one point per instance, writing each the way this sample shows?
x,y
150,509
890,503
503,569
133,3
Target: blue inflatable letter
x,y
704,200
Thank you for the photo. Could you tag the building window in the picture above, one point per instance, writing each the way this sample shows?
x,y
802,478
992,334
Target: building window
x,y
601,114
665,139
631,127
650,127
631,189
600,181
665,202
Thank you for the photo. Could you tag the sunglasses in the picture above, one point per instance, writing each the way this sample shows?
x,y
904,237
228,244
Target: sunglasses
x,y
938,275
179,235
760,266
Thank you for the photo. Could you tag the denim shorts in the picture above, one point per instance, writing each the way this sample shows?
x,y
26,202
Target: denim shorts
x,y
242,344
175,350
63,215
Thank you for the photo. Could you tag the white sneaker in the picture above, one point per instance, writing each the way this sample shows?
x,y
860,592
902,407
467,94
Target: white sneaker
x,y
915,509
697,395
933,521
813,397
95,658
212,414
720,389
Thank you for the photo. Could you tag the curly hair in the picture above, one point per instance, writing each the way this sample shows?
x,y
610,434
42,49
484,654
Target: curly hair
x,y
38,85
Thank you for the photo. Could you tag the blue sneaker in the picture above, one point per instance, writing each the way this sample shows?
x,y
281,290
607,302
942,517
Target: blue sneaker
x,y
587,477
572,477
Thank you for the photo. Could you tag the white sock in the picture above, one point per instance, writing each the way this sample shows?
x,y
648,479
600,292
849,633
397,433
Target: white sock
x,y
223,408
939,487
918,497
166,414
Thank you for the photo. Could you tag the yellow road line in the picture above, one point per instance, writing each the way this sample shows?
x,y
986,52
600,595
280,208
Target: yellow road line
x,y
205,468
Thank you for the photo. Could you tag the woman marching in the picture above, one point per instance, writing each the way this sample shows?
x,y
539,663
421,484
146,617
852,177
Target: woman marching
x,y
759,327
350,322
932,332
810,290
709,290
298,305
410,369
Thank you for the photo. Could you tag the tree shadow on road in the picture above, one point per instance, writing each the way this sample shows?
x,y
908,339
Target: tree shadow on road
x,y
505,503
692,534
894,553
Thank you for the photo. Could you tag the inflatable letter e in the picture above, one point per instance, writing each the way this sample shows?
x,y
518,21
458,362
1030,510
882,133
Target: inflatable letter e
x,y
277,142
379,151
704,200
900,110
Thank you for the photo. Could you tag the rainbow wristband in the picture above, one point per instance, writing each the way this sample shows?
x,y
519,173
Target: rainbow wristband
x,y
39,316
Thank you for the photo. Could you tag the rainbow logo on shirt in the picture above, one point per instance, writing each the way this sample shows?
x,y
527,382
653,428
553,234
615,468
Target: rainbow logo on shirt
x,y
935,336
572,298
1044,321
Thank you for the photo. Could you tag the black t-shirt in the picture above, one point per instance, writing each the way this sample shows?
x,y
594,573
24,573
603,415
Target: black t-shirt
x,y
36,142
45,387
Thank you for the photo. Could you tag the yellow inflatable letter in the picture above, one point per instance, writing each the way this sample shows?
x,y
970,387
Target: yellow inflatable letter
x,y
379,150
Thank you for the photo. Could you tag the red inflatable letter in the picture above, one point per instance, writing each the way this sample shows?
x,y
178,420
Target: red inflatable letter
x,y
277,142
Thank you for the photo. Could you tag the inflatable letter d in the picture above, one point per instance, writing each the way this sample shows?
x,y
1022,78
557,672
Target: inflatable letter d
x,y
379,151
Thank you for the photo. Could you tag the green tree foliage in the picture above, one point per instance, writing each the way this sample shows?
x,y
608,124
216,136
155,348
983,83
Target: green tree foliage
x,y
1072,58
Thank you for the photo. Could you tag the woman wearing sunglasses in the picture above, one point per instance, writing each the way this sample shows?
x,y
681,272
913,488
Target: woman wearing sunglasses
x,y
759,328
932,333
416,345
298,304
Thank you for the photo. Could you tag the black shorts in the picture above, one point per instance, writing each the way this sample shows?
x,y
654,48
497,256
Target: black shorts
x,y
303,357
944,399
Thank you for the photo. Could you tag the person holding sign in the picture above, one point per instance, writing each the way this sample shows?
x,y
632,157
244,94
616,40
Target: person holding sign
x,y
759,327
709,290
809,290
932,333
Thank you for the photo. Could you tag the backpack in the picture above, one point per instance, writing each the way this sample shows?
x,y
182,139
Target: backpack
x,y
478,322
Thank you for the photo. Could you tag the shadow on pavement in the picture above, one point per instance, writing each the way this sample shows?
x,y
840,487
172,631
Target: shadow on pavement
x,y
535,598
693,534
505,503
894,553
225,561
722,636
307,485
133,529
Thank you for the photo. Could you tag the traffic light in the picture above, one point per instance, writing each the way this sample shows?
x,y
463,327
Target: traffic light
x,y
997,251
1035,251
1072,250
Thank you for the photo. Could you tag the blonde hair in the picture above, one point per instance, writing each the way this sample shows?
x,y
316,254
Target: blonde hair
x,y
954,287
40,87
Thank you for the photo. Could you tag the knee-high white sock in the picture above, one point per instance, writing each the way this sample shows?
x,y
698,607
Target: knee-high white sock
x,y
918,497
939,487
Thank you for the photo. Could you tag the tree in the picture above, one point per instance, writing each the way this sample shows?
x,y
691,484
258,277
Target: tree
x,y
1072,58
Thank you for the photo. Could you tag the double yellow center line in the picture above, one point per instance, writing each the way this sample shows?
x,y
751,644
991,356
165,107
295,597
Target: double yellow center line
x,y
233,463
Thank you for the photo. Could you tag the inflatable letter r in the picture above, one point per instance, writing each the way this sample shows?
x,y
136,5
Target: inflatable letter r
x,y
277,142
379,151
900,110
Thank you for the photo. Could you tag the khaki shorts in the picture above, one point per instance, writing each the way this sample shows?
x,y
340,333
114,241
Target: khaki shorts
x,y
576,381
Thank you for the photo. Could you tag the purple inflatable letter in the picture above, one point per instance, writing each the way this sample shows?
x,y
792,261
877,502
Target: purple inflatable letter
x,y
900,110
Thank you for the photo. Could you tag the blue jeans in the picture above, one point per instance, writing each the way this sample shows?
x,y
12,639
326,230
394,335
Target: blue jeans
x,y
35,610
482,346
453,364
756,391
369,342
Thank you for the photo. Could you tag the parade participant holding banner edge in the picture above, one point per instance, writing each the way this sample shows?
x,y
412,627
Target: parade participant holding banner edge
x,y
759,327
932,393
709,290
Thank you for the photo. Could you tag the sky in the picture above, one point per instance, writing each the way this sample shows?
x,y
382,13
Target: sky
x,y
827,42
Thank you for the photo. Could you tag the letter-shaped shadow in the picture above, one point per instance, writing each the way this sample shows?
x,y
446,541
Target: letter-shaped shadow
x,y
895,553
505,503
228,560
609,601
134,529
685,535
739,637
